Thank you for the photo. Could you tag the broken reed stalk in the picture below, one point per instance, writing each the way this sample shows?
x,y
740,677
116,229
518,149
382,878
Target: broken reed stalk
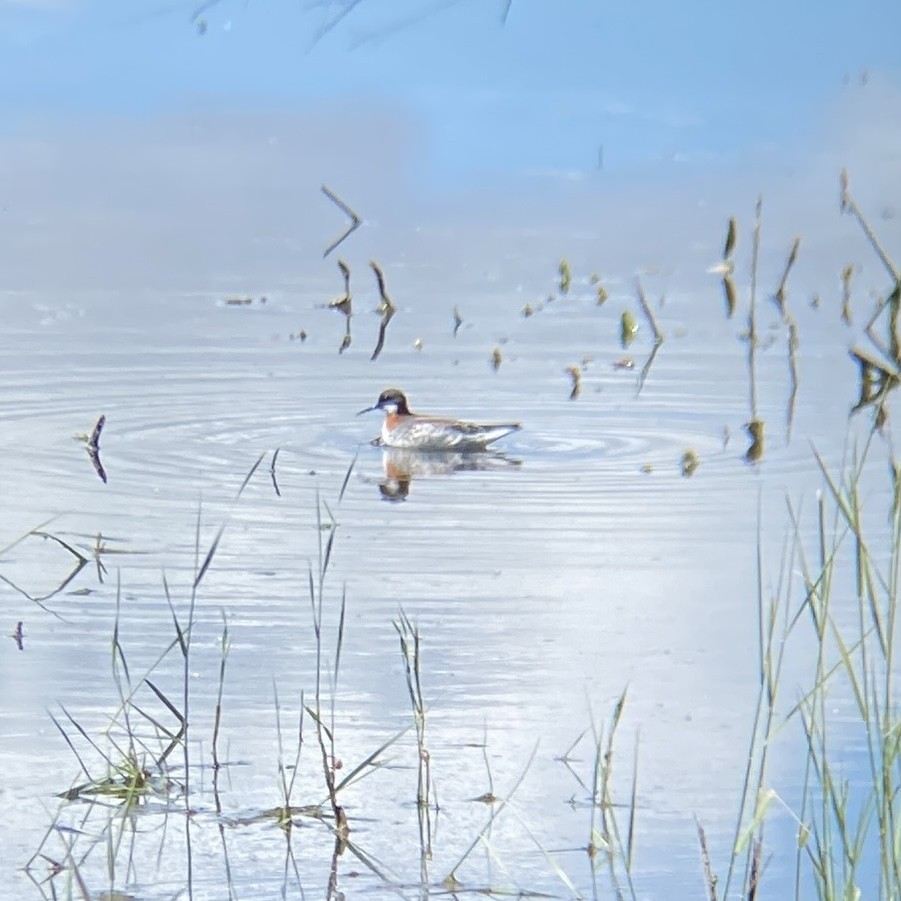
x,y
793,344
885,369
450,881
730,295
386,308
775,623
285,814
317,593
606,835
575,374
789,263
648,312
410,649
847,274
756,869
355,220
727,267
655,330
710,879
849,205
645,370
752,312
80,562
870,330
275,454
731,240
755,452
225,647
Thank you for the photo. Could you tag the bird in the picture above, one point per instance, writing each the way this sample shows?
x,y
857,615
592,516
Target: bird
x,y
415,431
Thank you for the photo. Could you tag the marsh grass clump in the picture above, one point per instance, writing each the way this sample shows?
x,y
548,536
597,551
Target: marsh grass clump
x,y
850,828
135,749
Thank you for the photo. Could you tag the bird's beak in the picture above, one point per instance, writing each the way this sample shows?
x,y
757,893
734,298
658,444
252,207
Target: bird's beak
x,y
368,410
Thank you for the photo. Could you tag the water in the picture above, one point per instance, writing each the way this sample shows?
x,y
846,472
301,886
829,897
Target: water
x,y
545,582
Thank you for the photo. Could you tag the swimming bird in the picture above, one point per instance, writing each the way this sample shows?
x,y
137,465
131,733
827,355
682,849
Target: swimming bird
x,y
402,428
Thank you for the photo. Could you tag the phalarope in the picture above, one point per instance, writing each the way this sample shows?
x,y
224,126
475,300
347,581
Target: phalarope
x,y
402,428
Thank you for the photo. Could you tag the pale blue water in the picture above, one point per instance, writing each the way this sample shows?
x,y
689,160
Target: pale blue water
x,y
543,588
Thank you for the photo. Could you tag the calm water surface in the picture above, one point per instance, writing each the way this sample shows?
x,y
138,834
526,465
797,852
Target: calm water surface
x,y
544,582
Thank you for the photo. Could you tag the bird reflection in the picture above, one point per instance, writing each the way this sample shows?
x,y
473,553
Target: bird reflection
x,y
403,465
